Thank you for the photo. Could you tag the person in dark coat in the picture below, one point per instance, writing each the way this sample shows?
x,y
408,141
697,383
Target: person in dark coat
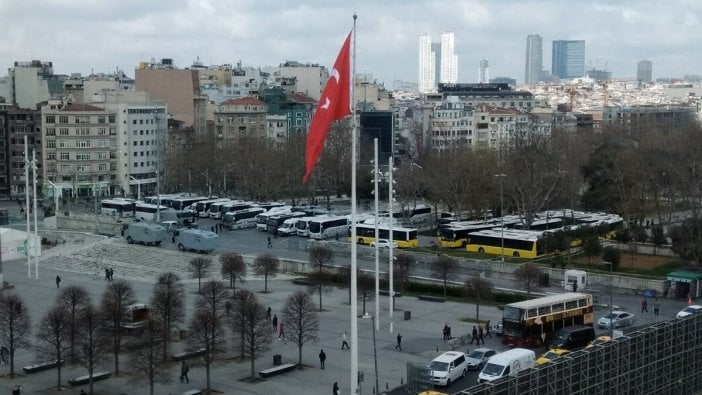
x,y
322,358
475,336
58,281
335,389
275,322
268,314
487,329
399,342
184,373
480,334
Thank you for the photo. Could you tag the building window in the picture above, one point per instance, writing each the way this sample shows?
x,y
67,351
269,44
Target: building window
x,y
65,168
65,156
102,155
63,131
82,156
82,132
82,168
102,167
134,121
63,118
102,131
113,166
82,119
103,143
50,119
51,156
136,164
63,143
51,131
50,143
83,144
111,119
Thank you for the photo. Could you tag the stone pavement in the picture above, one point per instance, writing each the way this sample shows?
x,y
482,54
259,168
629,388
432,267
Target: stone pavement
x,y
81,263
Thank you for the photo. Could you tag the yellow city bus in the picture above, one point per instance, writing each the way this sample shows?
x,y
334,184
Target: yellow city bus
x,y
532,323
517,243
405,237
455,234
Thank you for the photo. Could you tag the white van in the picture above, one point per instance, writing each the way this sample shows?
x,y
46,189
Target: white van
x,y
448,367
507,363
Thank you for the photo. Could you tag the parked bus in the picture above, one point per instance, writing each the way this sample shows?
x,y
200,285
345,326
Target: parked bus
x,y
147,212
242,219
420,213
233,207
270,205
455,234
118,207
517,243
532,323
185,202
182,217
202,207
322,228
262,219
165,200
541,224
404,237
215,210
274,221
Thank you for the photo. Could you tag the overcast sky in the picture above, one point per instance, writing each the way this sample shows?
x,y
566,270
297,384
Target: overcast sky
x,y
102,35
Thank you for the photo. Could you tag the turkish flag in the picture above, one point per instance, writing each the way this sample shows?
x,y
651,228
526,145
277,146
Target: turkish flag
x,y
335,103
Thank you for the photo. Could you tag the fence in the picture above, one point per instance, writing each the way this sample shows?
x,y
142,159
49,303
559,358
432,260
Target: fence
x,y
664,358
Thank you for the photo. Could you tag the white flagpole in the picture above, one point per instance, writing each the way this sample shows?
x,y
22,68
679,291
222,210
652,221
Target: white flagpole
x,y
354,292
391,260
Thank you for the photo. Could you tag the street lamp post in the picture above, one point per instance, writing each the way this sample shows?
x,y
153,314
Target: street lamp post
x,y
611,303
375,353
502,215
376,194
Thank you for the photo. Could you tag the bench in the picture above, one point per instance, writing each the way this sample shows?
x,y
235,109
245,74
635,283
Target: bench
x,y
187,355
85,379
193,392
430,298
39,367
286,367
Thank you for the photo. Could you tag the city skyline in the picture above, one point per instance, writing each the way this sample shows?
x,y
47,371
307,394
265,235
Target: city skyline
x,y
80,36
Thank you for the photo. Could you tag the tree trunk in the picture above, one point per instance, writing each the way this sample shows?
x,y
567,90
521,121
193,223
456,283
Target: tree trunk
x,y
12,361
265,282
58,377
232,281
299,356
198,284
116,351
445,281
207,373
320,298
90,379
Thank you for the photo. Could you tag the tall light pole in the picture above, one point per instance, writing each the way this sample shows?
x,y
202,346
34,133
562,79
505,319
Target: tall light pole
x,y
375,354
502,215
391,259
377,235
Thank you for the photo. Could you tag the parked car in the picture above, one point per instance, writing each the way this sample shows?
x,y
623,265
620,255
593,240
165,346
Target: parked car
x,y
477,358
573,337
384,243
551,355
599,340
689,310
617,319
448,367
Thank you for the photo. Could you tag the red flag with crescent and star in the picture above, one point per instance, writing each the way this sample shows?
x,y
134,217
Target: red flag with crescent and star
x,y
335,103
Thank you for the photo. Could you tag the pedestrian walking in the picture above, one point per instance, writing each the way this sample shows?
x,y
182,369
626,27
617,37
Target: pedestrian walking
x,y
281,331
322,358
268,314
445,331
112,274
58,281
480,334
335,389
644,306
269,242
487,329
17,390
475,336
449,333
399,342
275,322
107,274
184,368
21,210
344,343
656,307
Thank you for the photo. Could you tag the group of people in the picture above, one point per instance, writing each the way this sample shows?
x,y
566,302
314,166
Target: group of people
x,y
447,332
480,333
656,306
109,272
276,327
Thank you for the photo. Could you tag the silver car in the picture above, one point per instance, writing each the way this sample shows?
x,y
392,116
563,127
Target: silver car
x,y
616,319
689,310
477,358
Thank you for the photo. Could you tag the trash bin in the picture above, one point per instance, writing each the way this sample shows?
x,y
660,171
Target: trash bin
x,y
277,359
183,334
408,315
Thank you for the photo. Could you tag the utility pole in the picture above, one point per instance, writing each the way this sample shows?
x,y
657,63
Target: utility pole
x,y
376,323
26,206
34,242
391,259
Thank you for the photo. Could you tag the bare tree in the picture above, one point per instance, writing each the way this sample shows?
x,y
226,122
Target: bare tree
x,y
403,269
52,338
479,289
250,327
92,342
73,298
168,305
233,268
302,321
200,339
213,299
116,301
320,256
14,326
199,268
266,265
444,268
528,275
146,366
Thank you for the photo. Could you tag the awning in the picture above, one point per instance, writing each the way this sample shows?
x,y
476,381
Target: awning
x,y
684,276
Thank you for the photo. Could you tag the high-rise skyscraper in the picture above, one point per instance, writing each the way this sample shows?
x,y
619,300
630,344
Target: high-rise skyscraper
x,y
449,61
644,71
484,71
436,50
426,81
568,58
534,64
